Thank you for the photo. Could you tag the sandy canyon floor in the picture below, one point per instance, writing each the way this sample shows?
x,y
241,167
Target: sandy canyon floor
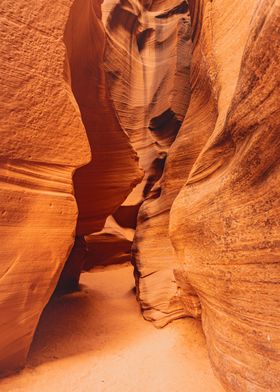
x,y
96,340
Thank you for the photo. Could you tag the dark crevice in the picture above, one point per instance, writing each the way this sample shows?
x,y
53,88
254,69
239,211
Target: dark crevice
x,y
179,9
165,125
142,37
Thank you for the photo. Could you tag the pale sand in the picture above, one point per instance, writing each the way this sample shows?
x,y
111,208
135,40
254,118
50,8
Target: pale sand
x,y
96,341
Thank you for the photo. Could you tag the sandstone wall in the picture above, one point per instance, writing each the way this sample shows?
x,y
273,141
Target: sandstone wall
x,y
102,185
148,66
42,141
46,133
203,118
225,220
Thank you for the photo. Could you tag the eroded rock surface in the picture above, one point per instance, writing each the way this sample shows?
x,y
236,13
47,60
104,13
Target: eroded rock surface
x,y
112,245
103,184
203,118
42,141
225,220
147,76
44,138
148,67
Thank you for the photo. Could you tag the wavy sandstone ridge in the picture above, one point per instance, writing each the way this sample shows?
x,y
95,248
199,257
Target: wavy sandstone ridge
x,y
147,62
147,78
225,220
193,91
102,185
43,141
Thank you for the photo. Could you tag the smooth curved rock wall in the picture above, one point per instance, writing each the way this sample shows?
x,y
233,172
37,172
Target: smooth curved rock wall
x,y
103,184
148,65
46,134
42,142
207,234
225,220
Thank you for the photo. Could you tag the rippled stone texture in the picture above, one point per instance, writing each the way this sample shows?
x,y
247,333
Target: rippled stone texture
x,y
42,141
211,182
103,184
112,245
225,220
148,64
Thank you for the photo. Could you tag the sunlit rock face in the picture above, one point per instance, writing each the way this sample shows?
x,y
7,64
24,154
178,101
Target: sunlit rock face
x,y
148,66
48,50
42,141
103,184
146,75
190,97
225,220
112,245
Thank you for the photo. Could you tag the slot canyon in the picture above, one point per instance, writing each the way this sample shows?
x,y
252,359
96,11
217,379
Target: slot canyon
x,y
140,196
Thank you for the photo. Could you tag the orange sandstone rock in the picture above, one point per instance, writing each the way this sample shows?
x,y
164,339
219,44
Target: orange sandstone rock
x,y
225,220
112,245
207,233
147,77
147,61
103,184
42,142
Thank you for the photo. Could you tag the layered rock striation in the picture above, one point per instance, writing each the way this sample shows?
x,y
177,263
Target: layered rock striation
x,y
48,131
43,140
194,95
104,183
222,174
224,223
148,65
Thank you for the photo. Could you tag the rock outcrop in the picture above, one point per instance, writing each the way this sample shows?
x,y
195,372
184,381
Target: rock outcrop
x,y
103,184
222,175
148,66
193,91
44,139
112,245
225,220
147,78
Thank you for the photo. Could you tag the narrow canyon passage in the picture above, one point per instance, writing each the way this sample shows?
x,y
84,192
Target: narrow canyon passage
x,y
139,190
96,340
